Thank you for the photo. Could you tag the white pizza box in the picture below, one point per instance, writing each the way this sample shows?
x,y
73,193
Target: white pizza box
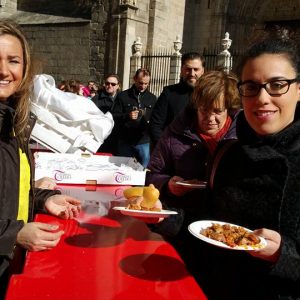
x,y
85,168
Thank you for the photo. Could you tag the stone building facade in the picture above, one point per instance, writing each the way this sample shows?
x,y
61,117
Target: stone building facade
x,y
85,39
209,20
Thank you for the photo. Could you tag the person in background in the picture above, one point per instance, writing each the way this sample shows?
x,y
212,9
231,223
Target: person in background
x,y
105,101
131,113
186,150
105,98
74,86
71,86
62,85
174,98
84,90
93,88
19,199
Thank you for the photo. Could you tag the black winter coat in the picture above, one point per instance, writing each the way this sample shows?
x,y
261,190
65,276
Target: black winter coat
x,y
257,185
133,132
9,185
104,102
170,103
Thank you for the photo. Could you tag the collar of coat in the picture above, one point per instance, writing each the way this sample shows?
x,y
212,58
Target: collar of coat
x,y
137,92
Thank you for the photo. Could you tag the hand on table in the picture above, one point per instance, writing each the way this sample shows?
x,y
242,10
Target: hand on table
x,y
63,206
35,236
272,250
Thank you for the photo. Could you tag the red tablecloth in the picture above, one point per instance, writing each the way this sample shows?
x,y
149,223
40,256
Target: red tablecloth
x,y
104,256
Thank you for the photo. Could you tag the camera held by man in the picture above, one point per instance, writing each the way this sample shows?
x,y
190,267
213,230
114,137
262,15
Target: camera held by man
x,y
136,113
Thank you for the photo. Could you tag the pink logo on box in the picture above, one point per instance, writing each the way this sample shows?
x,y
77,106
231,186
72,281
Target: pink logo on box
x,y
121,177
61,175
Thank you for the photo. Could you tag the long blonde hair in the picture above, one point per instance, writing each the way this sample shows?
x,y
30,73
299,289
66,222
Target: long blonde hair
x,y
20,100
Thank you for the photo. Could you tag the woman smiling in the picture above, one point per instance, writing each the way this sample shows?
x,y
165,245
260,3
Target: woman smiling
x,y
19,200
256,184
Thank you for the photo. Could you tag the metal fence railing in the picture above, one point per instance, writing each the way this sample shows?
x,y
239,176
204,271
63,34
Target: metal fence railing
x,y
158,62
211,58
159,65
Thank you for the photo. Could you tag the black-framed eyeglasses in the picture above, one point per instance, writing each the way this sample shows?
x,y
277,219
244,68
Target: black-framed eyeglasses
x,y
110,83
276,87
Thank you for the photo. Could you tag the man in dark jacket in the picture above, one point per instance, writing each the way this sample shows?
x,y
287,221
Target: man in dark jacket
x,y
131,113
174,98
106,96
105,101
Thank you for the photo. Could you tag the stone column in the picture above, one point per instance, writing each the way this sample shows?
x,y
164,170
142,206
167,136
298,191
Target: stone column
x,y
128,18
175,63
128,3
8,8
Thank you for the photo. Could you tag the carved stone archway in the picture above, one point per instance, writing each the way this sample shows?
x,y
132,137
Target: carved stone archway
x,y
251,18
207,21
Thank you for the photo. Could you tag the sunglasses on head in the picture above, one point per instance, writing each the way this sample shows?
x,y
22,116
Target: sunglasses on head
x,y
110,83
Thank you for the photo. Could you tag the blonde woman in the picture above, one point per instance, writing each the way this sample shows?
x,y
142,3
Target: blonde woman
x,y
19,199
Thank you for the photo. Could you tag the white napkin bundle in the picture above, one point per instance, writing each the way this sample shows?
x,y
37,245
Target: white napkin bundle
x,y
67,123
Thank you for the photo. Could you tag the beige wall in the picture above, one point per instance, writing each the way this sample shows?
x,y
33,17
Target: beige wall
x,y
156,22
166,22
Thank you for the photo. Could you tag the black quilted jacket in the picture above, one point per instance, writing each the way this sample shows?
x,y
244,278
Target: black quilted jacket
x,y
173,99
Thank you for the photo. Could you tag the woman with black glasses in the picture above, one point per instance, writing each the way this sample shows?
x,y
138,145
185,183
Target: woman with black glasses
x,y
257,182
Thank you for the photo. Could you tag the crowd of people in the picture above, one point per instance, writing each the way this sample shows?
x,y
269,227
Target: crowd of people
x,y
237,133
76,87
140,118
